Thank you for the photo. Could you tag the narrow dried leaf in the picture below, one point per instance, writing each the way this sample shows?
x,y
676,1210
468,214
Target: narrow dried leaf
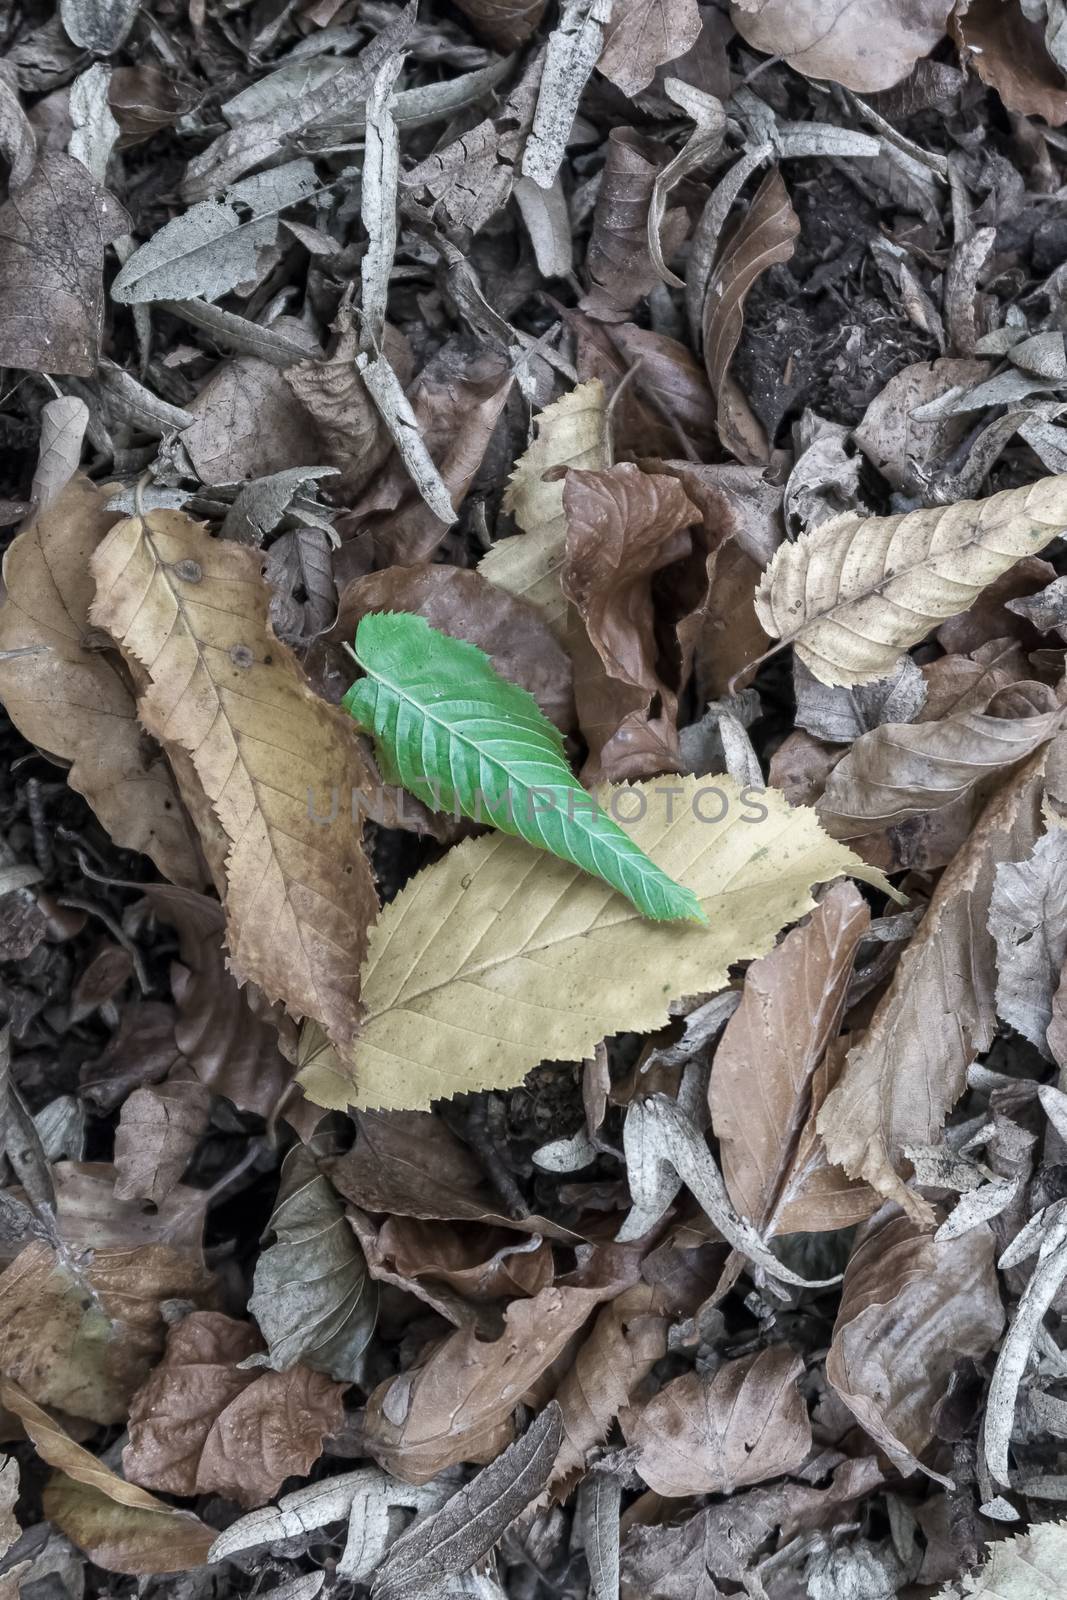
x,y
868,46
402,425
572,432
774,1165
1028,921
855,592
574,47
910,1308
643,35
715,1434
74,700
909,1068
1048,1233
192,612
495,935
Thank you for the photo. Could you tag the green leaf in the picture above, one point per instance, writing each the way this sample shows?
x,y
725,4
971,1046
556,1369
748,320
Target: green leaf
x,y
456,734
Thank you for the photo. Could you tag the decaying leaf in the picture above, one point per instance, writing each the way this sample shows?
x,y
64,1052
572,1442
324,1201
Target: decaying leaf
x,y
909,1309
1007,49
9,1493
429,1031
203,1424
157,1133
192,612
573,49
1028,921
872,45
619,262
643,36
713,1435
247,422
855,592
74,699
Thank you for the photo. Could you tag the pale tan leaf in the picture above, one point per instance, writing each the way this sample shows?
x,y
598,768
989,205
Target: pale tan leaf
x,y
192,612
496,958
157,1133
864,44
766,1089
571,432
909,1068
74,700
856,591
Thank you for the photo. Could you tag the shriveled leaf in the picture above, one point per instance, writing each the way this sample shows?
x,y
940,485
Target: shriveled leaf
x,y
9,1493
345,418
855,592
157,1133
192,612
1028,921
456,734
773,1162
910,1308
903,448
766,234
572,432
118,1525
1007,49
619,263
871,45
909,1068
1027,1567
644,35
469,1525
714,1434
247,423
73,699
202,1425
505,23
312,1297
544,941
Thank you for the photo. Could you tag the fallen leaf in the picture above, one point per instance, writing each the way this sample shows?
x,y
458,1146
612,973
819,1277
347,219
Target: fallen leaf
x,y
618,263
767,234
572,432
1007,49
842,716
646,35
774,1165
10,1530
430,1031
118,1525
157,1133
144,99
468,1525
714,1434
202,1425
53,229
299,571
192,612
905,449
505,23
247,423
1028,922
910,1308
1028,1566
573,49
481,1264
855,592
909,1068
624,528
465,605
71,698
675,383
866,46
63,425
345,418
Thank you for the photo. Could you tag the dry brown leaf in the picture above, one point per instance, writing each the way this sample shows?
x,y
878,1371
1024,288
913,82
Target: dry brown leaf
x,y
118,1525
480,1263
505,23
201,1425
868,45
675,384
465,605
773,1162
855,592
909,1068
910,1308
618,263
157,1133
249,423
713,1434
72,698
643,35
624,528
457,1405
350,431
192,612
495,959
766,234
1007,49
907,451
571,432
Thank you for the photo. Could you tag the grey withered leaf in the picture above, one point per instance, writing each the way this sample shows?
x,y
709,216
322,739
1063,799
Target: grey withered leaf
x,y
1028,921
53,229
843,714
312,1296
469,1525
98,25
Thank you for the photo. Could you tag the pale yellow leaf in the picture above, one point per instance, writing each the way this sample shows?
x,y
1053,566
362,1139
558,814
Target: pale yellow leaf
x,y
192,612
856,591
572,432
499,957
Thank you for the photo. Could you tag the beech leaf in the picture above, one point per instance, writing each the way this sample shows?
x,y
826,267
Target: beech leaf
x,y
854,592
456,734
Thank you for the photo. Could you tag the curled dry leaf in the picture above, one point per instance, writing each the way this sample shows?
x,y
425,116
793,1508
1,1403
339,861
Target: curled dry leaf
x,y
192,612
909,1068
624,528
1028,921
118,1525
773,1162
345,418
714,1434
855,592
203,1425
910,1308
72,698
544,941
866,46
618,261
643,35
766,234
1007,49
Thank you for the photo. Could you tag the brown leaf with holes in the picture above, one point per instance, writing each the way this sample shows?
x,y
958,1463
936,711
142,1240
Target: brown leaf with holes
x,y
192,612
203,1425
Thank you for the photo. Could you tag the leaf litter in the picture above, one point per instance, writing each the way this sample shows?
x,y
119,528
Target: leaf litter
x,y
666,402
